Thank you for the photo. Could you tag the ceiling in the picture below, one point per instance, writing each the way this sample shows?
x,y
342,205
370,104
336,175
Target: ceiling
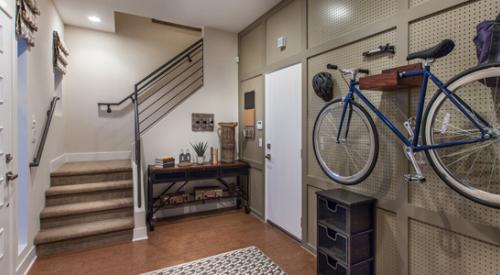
x,y
228,15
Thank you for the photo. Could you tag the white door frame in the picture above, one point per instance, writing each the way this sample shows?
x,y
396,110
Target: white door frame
x,y
267,193
8,7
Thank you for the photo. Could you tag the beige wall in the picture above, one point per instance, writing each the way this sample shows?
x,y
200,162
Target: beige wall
x,y
219,96
104,68
40,90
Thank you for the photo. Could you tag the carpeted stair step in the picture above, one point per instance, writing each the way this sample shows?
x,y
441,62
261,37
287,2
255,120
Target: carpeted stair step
x,y
81,236
91,171
86,192
85,212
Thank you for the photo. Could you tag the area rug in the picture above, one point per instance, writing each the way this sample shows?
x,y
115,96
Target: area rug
x,y
248,260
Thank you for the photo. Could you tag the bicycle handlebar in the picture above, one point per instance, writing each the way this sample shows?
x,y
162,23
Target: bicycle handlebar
x,y
353,71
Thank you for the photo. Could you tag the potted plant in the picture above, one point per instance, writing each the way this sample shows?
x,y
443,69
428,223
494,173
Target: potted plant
x,y
200,148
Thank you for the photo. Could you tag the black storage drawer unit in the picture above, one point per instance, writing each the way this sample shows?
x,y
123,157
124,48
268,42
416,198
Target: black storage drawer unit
x,y
346,228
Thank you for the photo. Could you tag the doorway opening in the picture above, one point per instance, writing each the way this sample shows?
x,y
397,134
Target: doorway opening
x,y
22,145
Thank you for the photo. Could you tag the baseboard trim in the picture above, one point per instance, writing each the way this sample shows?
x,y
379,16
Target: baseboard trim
x,y
57,162
140,234
24,267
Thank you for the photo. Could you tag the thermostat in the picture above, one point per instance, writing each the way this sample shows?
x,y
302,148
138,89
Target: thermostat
x,y
260,125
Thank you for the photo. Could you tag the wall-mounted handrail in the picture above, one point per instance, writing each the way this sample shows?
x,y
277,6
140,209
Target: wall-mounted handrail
x,y
41,145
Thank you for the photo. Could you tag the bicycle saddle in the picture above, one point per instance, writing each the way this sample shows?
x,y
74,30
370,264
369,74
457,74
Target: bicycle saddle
x,y
440,50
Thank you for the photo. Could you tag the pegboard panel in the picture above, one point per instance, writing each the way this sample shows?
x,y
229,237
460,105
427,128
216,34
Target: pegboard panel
x,y
458,24
387,255
387,175
329,19
414,3
433,250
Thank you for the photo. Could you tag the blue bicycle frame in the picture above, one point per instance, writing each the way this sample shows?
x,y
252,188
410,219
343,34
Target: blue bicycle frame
x,y
414,143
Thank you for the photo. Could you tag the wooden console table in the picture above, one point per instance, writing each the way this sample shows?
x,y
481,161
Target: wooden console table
x,y
169,177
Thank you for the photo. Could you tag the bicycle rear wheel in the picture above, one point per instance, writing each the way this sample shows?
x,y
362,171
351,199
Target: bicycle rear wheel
x,y
472,170
353,158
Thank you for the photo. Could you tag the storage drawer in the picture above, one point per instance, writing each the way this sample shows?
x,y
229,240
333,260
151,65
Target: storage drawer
x,y
233,171
332,214
169,176
349,251
203,174
328,265
349,219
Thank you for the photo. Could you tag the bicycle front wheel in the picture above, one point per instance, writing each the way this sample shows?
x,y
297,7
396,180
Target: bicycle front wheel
x,y
352,158
471,169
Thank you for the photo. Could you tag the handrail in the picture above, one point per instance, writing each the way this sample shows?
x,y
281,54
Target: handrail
x,y
50,114
163,68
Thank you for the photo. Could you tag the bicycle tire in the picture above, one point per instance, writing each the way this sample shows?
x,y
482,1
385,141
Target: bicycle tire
x,y
368,168
478,73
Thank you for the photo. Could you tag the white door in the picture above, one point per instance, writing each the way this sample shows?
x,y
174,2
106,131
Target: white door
x,y
283,149
6,87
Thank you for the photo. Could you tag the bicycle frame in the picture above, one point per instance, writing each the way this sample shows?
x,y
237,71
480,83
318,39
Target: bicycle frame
x,y
414,143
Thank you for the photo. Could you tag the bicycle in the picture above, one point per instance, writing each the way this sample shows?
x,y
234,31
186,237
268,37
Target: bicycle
x,y
459,130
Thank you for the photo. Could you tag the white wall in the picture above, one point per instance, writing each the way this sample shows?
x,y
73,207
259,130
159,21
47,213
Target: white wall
x,y
104,68
219,96
40,90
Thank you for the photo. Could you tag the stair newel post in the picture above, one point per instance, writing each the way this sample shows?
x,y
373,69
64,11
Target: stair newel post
x,y
135,100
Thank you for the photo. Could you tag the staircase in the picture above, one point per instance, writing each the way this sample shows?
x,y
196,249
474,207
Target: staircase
x,y
88,204
91,203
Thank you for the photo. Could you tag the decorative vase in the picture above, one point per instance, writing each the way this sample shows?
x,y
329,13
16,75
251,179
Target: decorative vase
x,y
227,137
200,159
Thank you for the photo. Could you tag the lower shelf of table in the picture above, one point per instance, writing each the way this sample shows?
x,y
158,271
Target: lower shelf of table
x,y
191,202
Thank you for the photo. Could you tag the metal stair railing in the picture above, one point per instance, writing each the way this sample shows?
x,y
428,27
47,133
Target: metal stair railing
x,y
159,93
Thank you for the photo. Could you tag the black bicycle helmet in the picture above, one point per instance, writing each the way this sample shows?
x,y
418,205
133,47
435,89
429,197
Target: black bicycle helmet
x,y
323,85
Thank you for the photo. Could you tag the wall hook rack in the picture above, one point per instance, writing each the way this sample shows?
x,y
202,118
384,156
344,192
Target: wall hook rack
x,y
387,48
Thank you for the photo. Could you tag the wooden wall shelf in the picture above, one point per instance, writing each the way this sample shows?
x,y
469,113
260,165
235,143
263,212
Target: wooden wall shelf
x,y
389,79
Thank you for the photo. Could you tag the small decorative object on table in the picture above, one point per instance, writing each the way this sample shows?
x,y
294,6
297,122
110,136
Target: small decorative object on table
x,y
164,162
228,141
200,148
214,153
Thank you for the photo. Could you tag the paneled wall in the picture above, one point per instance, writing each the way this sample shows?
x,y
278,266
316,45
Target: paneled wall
x,y
421,228
250,151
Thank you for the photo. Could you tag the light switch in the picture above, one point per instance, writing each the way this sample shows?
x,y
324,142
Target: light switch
x,y
260,142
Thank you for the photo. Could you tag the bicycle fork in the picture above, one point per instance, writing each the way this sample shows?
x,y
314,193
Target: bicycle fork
x,y
410,155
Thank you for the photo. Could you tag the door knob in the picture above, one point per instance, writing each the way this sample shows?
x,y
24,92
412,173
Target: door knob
x,y
11,176
268,156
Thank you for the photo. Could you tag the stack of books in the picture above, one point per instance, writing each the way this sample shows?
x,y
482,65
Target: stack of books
x,y
164,162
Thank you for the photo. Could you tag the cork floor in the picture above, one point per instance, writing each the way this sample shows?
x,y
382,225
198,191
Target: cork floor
x,y
179,241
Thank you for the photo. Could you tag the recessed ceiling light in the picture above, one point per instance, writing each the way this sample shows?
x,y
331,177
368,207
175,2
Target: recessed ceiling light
x,y
94,19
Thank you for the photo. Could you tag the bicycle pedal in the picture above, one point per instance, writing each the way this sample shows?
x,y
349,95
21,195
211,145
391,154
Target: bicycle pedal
x,y
414,178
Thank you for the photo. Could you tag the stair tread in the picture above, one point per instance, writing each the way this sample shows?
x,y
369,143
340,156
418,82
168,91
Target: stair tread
x,y
88,187
92,167
83,230
85,207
